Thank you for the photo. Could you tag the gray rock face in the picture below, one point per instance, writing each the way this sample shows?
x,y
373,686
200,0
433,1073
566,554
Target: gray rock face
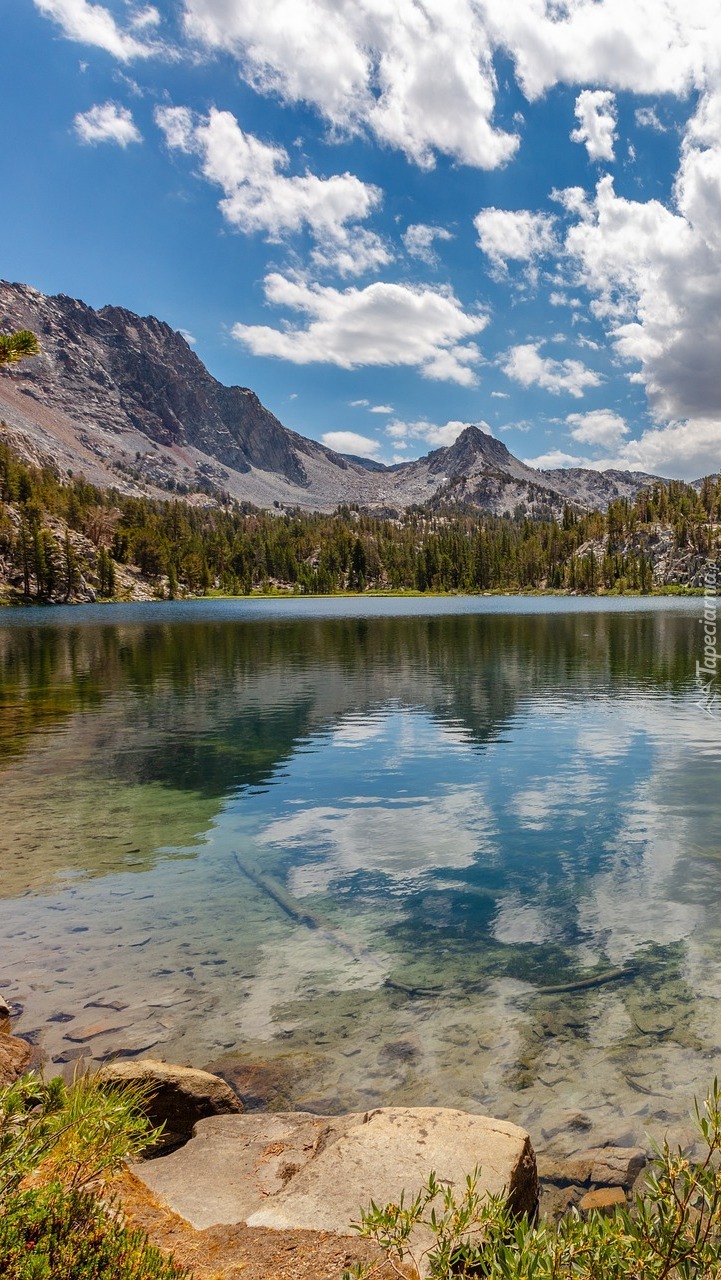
x,y
181,1095
125,400
120,371
296,1170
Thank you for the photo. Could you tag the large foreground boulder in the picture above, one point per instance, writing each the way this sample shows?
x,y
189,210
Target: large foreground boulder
x,y
16,1057
180,1097
292,1170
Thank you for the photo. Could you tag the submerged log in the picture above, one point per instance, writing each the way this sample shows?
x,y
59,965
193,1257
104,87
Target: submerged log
x,y
312,920
597,980
298,912
412,991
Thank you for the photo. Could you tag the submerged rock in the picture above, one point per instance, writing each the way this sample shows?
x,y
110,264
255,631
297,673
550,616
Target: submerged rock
x,y
181,1095
267,1084
599,1167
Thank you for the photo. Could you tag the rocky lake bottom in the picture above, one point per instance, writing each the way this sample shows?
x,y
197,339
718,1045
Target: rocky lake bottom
x,y
464,858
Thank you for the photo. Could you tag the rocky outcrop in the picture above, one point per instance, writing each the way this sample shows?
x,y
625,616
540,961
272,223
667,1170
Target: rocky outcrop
x,y
16,1057
117,370
293,1170
180,1096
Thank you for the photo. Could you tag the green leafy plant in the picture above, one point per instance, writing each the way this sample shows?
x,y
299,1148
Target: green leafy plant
x,y
672,1233
78,1134
52,1233
59,1147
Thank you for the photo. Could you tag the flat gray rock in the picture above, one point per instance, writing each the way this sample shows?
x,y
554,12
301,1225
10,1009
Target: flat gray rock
x,y
294,1170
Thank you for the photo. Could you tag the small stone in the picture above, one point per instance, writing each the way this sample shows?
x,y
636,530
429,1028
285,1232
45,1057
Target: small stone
x,y
116,1006
4,1010
604,1200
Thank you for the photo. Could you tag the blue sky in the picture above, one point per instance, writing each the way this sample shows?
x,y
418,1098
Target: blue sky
x,y
391,219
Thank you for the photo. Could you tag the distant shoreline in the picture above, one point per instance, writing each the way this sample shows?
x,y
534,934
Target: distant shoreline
x,y
21,602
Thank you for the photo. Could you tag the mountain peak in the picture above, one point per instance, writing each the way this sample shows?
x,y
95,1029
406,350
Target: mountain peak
x,y
472,451
123,399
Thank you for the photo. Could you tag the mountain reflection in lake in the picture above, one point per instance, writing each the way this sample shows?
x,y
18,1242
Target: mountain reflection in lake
x,y
436,818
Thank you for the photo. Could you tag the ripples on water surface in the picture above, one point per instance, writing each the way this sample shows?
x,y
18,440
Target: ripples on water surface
x,y
470,805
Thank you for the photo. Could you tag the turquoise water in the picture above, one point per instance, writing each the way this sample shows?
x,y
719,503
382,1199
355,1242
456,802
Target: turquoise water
x,y
350,847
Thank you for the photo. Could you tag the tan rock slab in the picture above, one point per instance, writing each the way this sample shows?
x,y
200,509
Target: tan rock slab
x,y
233,1164
80,1035
294,1170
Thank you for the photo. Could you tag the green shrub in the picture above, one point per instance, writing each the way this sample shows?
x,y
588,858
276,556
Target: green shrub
x,y
77,1134
52,1233
59,1146
672,1233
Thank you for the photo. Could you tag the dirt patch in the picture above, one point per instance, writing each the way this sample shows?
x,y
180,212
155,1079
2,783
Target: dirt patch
x,y
235,1252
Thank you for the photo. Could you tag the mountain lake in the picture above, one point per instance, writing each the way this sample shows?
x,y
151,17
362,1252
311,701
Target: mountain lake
x,y
357,852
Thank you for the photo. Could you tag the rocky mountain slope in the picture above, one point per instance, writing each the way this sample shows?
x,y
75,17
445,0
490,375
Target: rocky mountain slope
x,y
124,400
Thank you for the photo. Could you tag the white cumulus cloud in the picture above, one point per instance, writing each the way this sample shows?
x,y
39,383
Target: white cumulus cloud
x,y
419,77
525,364
681,450
596,115
648,118
599,426
554,459
107,122
645,46
382,324
514,234
93,24
351,442
653,273
418,240
260,197
146,18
